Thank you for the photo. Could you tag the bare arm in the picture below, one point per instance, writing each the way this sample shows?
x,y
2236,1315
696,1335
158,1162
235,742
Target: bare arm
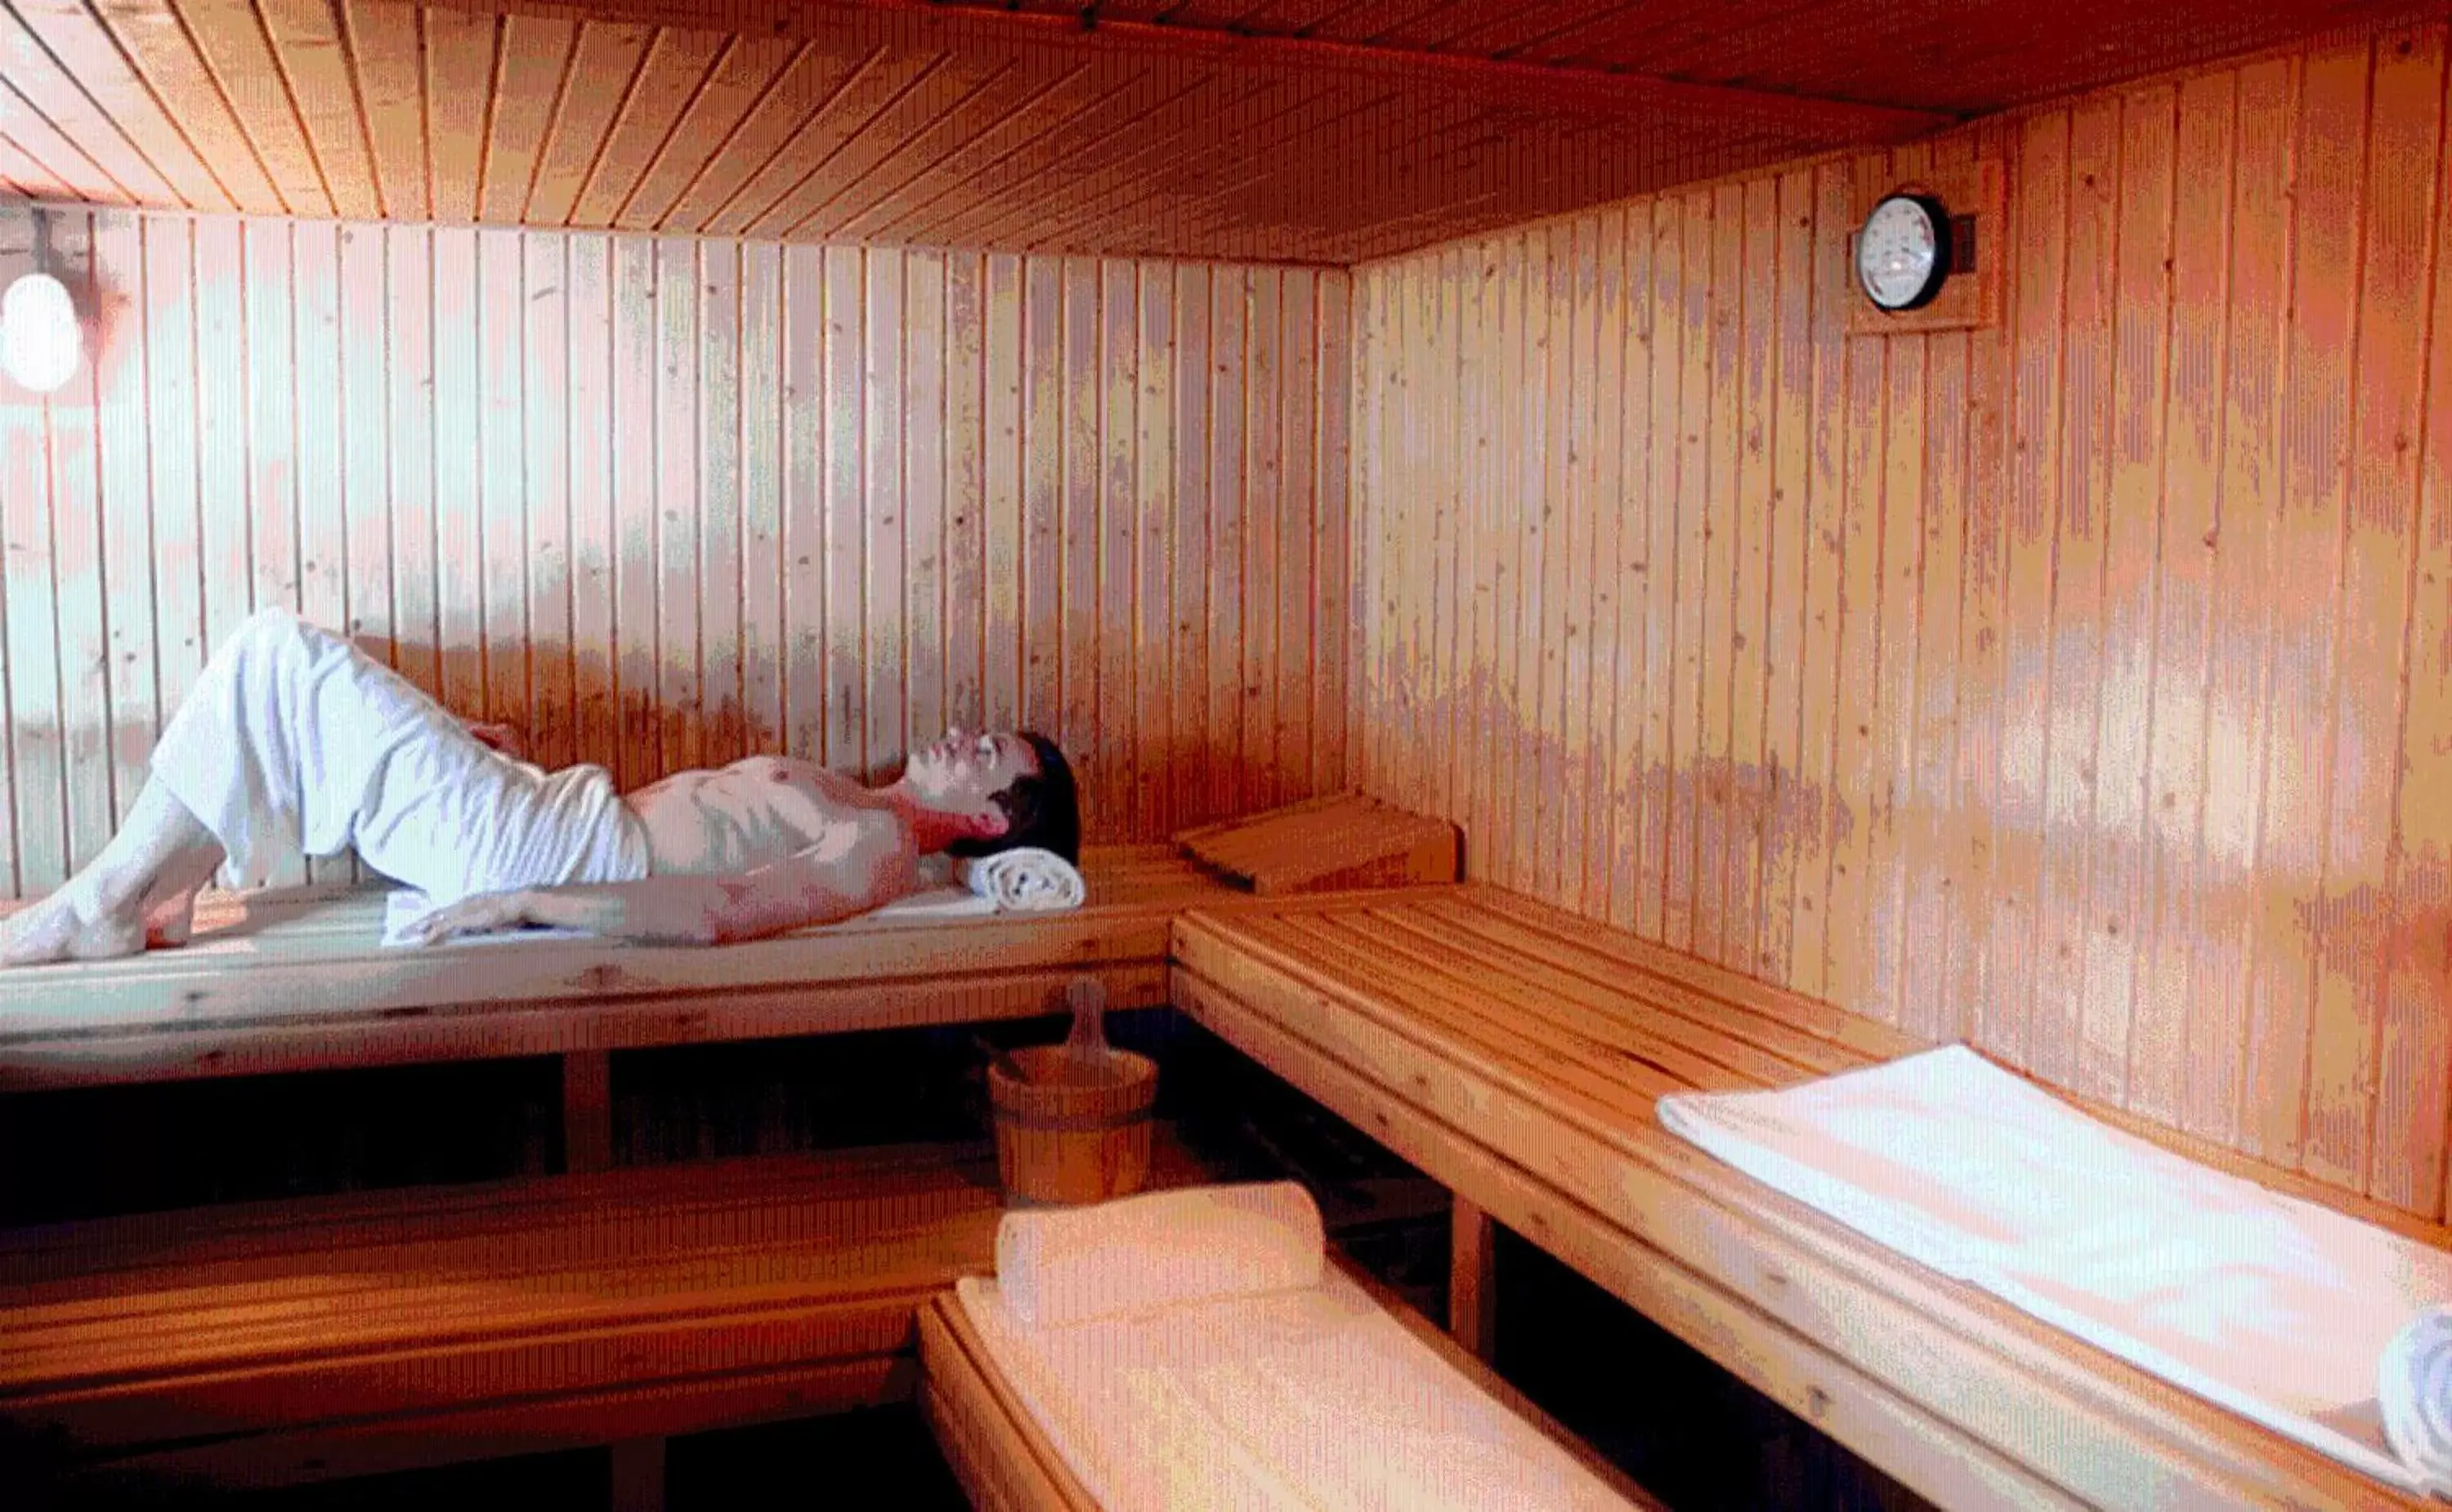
x,y
862,869
503,738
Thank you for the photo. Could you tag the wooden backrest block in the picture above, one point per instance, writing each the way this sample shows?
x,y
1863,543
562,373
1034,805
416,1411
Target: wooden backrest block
x,y
1326,844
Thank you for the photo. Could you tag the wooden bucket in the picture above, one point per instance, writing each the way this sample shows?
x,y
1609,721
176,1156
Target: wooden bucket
x,y
1072,1131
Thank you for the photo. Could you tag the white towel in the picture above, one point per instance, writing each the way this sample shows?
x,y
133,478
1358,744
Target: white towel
x,y
2279,1309
2414,1387
1184,1379
292,740
1061,1265
1025,881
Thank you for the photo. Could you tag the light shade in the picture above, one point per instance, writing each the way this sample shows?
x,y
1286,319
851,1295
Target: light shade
x,y
38,332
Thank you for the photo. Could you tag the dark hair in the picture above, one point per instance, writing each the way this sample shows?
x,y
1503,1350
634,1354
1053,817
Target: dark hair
x,y
1043,809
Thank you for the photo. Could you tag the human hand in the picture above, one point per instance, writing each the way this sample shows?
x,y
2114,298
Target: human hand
x,y
484,913
503,738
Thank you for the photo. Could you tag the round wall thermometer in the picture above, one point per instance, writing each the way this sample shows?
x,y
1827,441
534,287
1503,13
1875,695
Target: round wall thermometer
x,y
1903,253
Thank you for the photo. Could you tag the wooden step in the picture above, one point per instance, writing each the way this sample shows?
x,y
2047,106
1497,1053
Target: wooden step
x,y
270,1343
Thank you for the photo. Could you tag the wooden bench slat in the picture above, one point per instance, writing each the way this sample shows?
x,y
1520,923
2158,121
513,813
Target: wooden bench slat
x,y
343,1038
492,1430
359,1381
256,979
1875,1040
52,1352
1659,1065
89,1252
1699,1057
1442,1016
1714,1020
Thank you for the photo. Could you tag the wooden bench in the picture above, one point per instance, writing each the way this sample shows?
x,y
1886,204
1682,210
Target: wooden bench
x,y
297,981
1006,1464
302,1340
1515,1053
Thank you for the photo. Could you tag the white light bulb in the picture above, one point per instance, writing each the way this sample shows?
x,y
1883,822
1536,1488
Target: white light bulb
x,y
38,332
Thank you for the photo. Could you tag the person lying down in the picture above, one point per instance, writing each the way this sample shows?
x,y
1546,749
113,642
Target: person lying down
x,y
294,741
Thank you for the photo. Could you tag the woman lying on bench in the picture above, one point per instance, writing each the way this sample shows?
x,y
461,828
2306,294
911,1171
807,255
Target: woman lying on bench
x,y
295,741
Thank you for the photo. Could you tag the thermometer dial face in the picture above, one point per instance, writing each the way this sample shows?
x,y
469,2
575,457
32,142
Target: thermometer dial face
x,y
1901,254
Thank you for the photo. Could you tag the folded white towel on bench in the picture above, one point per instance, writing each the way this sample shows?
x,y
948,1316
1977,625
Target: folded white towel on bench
x,y
1017,881
2279,1309
1191,1353
1143,1254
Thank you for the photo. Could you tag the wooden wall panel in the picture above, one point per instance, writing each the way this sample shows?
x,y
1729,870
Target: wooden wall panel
x,y
667,501
2075,687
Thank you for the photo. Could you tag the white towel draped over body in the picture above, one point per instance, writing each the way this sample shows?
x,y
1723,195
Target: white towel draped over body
x,y
295,743
1181,1362
2285,1312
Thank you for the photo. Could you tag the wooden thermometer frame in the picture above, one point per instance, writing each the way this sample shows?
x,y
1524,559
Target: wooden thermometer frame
x,y
1969,301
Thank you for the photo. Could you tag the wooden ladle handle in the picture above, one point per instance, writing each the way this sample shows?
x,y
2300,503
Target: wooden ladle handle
x,y
1088,997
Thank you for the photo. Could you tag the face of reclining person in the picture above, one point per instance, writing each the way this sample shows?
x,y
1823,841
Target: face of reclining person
x,y
961,775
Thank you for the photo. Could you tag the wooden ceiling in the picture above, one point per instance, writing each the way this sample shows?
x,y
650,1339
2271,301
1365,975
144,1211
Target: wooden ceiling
x,y
1280,131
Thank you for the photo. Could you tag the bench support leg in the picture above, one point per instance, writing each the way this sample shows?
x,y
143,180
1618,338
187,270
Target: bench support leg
x,y
639,1475
587,1111
1472,1294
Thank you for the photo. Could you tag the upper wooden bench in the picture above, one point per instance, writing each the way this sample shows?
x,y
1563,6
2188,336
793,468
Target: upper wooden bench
x,y
1516,1053
300,981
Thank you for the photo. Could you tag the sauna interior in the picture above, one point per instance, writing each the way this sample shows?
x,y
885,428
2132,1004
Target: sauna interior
x,y
1538,641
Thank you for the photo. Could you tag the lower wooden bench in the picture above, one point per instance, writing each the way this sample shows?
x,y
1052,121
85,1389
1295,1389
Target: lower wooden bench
x,y
295,1341
1516,1053
1006,1464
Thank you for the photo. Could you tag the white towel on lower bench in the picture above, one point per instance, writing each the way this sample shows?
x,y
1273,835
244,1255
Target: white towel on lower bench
x,y
1017,881
1215,1394
2279,1309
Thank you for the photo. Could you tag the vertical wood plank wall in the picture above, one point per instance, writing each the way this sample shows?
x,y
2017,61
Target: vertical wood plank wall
x,y
2082,687
664,503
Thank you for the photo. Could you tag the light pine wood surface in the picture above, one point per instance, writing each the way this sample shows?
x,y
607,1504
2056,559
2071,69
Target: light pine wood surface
x,y
2076,686
1516,1053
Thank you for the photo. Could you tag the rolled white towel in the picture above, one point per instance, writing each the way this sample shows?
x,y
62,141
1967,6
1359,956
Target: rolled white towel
x,y
1061,1266
1025,881
2414,1387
